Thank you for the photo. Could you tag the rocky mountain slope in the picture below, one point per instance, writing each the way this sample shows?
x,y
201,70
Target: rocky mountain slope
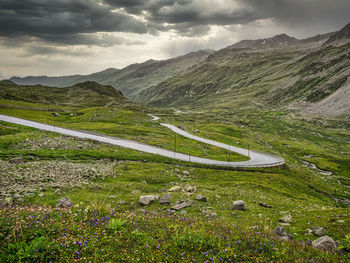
x,y
130,80
279,72
342,35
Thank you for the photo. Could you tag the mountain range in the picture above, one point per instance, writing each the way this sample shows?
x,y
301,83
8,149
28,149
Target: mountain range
x,y
311,75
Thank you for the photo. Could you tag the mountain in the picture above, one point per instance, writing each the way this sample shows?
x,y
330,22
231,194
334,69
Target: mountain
x,y
342,34
276,41
130,80
295,74
87,94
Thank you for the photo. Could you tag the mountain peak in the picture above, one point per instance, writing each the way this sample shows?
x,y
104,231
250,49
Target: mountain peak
x,y
281,39
342,34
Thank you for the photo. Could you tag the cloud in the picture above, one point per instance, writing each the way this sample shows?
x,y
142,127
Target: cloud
x,y
56,19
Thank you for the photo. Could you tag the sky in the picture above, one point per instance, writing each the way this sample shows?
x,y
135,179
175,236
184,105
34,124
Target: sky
x,y
67,37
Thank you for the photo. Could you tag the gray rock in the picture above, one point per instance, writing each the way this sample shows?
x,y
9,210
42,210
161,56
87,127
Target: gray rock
x,y
265,205
16,160
175,188
183,212
41,195
186,173
318,231
135,192
147,199
324,243
239,205
286,219
55,114
190,188
162,190
165,199
64,202
201,198
7,201
280,231
111,196
181,205
122,202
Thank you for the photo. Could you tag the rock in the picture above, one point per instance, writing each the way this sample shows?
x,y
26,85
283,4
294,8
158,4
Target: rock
x,y
16,160
147,199
64,202
55,114
181,205
95,187
265,205
337,243
165,199
122,202
111,196
201,198
324,243
41,195
162,190
186,173
280,231
286,219
144,182
318,231
7,201
341,221
183,212
254,227
239,205
135,192
175,188
190,188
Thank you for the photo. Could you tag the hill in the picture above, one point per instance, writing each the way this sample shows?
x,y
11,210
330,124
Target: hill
x,y
129,80
82,94
342,35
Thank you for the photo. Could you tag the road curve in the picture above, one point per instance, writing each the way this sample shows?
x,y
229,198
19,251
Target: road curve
x,y
257,159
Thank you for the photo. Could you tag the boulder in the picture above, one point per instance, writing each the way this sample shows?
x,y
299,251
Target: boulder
x,y
190,188
239,205
165,199
287,219
64,202
175,188
16,160
201,198
318,231
147,199
265,205
324,243
280,231
181,205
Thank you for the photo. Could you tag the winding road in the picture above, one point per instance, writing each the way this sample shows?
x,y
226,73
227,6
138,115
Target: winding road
x,y
257,159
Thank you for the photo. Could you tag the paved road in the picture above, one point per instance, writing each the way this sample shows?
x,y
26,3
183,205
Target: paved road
x,y
256,159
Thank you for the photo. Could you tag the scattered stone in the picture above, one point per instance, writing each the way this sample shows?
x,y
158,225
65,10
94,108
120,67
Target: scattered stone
x,y
183,212
144,182
64,202
16,160
341,221
190,188
181,205
239,205
254,227
260,215
162,190
142,211
280,232
186,173
41,195
135,192
308,231
95,187
7,201
201,198
337,243
55,114
111,196
324,243
318,231
122,202
346,202
165,199
147,199
175,188
265,205
234,214
287,219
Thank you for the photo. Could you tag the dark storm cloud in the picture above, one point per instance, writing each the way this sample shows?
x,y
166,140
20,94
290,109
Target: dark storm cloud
x,y
56,19
185,16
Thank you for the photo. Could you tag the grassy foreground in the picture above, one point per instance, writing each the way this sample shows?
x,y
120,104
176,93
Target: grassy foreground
x,y
41,234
